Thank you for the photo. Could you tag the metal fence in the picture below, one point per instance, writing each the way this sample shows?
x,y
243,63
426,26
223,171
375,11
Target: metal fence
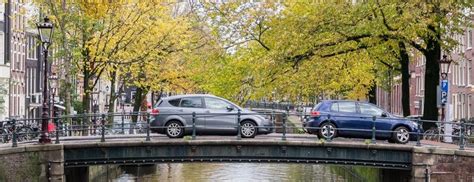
x,y
106,125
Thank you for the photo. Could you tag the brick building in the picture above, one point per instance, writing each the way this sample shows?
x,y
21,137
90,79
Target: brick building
x,y
460,77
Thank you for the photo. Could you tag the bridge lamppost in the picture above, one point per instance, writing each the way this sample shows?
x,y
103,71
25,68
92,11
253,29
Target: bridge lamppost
x,y
444,64
45,30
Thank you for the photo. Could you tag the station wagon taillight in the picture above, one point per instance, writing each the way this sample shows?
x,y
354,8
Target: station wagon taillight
x,y
315,113
155,111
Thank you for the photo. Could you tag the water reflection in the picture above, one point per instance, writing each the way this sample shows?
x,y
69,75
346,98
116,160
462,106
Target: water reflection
x,y
230,172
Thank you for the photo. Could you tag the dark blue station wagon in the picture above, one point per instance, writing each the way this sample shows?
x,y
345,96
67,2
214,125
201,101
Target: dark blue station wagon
x,y
354,119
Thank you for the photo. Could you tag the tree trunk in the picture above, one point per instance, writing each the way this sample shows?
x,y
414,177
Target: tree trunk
x,y
373,94
85,100
432,54
67,68
112,96
137,103
405,61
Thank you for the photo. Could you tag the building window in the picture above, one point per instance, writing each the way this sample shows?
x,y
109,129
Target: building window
x,y
469,107
469,39
470,73
463,75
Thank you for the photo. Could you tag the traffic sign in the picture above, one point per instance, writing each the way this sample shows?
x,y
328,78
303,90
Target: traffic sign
x,y
444,91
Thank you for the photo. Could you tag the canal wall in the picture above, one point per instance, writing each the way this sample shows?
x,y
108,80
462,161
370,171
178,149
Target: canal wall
x,y
32,163
46,162
438,165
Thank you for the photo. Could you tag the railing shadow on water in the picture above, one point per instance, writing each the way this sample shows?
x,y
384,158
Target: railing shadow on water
x,y
103,126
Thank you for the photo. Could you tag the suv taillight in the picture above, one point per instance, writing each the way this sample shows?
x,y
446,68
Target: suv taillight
x,y
315,113
155,112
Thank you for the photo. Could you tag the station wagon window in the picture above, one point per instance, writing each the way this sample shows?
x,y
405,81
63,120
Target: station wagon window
x,y
370,109
191,102
213,103
343,107
174,102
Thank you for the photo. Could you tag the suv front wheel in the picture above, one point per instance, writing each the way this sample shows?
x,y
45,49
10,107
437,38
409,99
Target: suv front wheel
x,y
401,135
248,129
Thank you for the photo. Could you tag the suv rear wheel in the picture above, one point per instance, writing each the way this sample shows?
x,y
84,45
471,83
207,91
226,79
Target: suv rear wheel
x,y
327,130
174,129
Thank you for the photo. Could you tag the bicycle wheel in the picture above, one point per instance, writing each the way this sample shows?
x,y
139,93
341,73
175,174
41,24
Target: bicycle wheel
x,y
3,136
25,133
429,134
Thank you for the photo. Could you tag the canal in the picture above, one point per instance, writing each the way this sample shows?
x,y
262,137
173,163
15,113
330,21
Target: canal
x,y
233,172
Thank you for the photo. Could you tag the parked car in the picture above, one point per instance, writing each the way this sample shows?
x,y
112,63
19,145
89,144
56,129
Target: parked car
x,y
333,118
214,115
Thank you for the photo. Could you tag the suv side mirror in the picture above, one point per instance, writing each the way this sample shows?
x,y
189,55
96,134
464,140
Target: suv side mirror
x,y
230,108
384,115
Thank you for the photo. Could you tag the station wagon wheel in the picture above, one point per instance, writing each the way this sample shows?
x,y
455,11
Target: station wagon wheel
x,y
401,135
327,131
248,129
174,129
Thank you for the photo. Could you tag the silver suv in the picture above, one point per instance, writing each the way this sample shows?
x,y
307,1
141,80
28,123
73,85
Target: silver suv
x,y
214,115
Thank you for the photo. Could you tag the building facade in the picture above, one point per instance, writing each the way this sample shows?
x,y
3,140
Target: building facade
x,y
17,57
33,76
4,63
460,78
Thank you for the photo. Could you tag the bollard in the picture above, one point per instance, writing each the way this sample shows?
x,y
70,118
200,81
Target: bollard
x,y
57,132
461,137
373,129
194,126
147,127
283,137
14,137
418,143
239,135
102,122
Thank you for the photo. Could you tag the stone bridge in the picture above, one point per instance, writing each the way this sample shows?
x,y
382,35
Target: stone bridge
x,y
43,162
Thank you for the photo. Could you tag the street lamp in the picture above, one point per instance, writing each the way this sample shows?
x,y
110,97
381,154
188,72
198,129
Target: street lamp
x,y
444,64
53,81
45,30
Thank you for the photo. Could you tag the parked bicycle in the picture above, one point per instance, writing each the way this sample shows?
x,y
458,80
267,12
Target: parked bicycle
x,y
438,133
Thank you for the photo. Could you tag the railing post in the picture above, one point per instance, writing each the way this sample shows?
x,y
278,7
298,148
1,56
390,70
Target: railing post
x,y
373,129
147,127
57,130
102,122
273,117
239,136
418,143
14,137
83,126
283,137
329,139
194,126
123,115
461,137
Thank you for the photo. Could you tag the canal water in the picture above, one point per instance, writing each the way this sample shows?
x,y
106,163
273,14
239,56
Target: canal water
x,y
232,172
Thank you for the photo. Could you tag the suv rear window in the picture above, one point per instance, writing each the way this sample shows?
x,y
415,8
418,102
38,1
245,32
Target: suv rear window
x,y
316,107
174,102
348,107
191,102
